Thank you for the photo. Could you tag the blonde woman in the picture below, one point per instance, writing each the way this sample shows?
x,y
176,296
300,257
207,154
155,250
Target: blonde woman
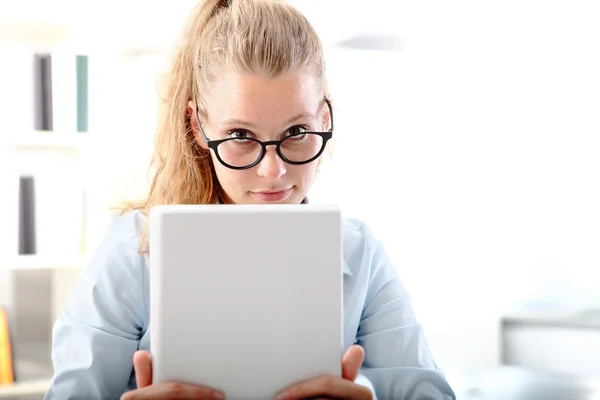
x,y
246,118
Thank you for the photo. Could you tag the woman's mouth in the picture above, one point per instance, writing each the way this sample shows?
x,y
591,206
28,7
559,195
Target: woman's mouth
x,y
269,196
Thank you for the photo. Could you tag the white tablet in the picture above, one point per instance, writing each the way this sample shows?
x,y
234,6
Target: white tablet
x,y
246,299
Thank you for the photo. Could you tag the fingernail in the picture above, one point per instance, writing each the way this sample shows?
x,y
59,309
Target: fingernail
x,y
218,396
282,396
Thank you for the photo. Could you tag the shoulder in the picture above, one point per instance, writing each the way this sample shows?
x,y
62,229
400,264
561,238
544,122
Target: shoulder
x,y
116,258
358,244
112,293
126,228
123,236
356,231
355,226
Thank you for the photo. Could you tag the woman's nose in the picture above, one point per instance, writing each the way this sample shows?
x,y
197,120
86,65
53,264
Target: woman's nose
x,y
272,167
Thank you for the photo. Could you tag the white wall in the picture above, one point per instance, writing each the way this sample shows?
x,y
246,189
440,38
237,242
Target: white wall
x,y
474,155
124,120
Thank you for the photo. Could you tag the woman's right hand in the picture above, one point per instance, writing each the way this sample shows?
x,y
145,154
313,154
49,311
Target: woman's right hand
x,y
142,363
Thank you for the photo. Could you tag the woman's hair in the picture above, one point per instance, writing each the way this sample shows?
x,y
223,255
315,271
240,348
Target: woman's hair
x,y
267,37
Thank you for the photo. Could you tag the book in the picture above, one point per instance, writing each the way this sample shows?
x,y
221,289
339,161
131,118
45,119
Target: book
x,y
7,365
82,93
43,92
27,220
69,90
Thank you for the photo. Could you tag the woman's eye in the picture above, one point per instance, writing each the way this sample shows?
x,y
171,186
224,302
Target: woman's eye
x,y
239,134
297,130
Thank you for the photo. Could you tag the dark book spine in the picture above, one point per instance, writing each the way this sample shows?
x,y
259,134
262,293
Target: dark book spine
x,y
43,92
27,237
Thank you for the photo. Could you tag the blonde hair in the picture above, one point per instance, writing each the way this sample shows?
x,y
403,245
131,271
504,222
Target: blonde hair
x,y
267,37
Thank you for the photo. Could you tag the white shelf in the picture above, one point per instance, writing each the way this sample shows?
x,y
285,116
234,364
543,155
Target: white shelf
x,y
40,33
25,388
52,141
48,262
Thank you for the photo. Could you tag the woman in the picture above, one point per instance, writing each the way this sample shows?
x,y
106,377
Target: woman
x,y
246,116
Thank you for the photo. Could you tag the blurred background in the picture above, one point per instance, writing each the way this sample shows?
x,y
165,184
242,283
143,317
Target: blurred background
x,y
467,137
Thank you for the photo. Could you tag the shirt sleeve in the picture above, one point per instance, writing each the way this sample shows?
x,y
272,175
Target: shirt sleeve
x,y
99,330
398,364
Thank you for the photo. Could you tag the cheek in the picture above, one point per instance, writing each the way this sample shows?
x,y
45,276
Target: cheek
x,y
223,173
230,180
305,174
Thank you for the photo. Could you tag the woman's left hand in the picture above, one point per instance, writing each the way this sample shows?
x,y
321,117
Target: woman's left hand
x,y
329,387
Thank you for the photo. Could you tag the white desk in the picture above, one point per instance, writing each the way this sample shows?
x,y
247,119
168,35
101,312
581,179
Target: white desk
x,y
513,383
552,340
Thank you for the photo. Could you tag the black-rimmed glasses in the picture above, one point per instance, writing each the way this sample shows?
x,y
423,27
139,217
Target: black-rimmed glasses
x,y
244,153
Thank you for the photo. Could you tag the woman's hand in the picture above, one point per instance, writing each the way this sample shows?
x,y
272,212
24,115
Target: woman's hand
x,y
331,387
142,362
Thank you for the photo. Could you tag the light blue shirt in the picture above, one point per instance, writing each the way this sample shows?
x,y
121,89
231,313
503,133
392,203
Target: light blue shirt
x,y
106,320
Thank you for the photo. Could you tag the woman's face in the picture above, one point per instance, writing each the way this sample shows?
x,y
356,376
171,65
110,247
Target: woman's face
x,y
251,106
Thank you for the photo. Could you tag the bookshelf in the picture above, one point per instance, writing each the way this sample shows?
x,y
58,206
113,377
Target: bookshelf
x,y
64,160
48,141
48,91
48,262
27,388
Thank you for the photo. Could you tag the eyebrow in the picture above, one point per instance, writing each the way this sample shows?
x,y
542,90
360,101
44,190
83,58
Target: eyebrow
x,y
237,121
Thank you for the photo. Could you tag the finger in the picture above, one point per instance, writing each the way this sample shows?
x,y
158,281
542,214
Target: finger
x,y
142,365
352,362
173,390
326,387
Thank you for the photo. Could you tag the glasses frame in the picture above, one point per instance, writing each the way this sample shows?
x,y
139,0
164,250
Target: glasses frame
x,y
213,144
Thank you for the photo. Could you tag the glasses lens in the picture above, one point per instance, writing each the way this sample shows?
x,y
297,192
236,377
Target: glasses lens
x,y
239,152
302,147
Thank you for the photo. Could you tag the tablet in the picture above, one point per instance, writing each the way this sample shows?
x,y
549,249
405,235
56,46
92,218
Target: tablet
x,y
246,299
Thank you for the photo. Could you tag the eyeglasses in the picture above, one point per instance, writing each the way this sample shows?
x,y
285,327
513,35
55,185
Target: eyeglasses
x,y
244,153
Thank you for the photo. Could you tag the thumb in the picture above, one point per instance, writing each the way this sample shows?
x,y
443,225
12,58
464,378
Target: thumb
x,y
142,364
352,362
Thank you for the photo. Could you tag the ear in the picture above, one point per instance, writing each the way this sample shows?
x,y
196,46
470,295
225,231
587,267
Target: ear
x,y
191,109
326,116
194,124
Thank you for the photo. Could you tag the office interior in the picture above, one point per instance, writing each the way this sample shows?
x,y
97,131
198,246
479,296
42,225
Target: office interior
x,y
467,137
